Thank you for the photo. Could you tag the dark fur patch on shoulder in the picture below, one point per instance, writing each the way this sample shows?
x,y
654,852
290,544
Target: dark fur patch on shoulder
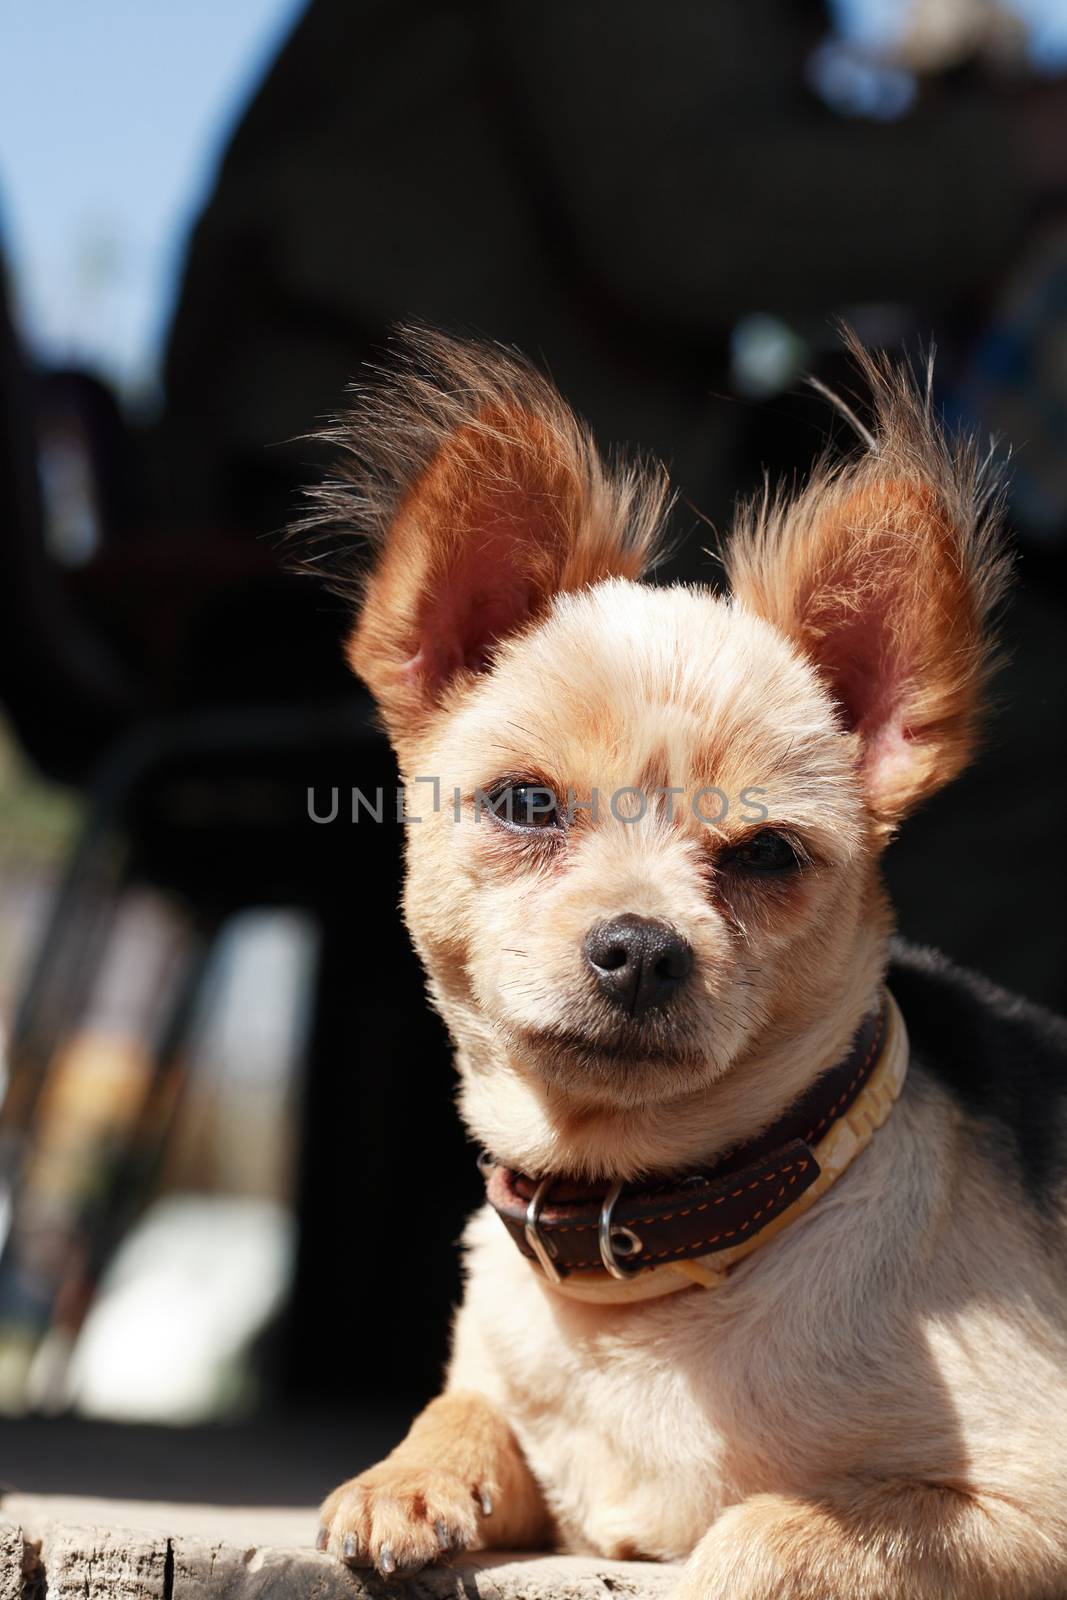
x,y
1003,1058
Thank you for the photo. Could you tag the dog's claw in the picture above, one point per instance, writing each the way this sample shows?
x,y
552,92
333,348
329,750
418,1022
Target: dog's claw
x,y
444,1537
350,1548
386,1560
485,1500
322,1538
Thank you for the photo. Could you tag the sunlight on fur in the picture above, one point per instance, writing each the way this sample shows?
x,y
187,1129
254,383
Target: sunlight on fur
x,y
861,1410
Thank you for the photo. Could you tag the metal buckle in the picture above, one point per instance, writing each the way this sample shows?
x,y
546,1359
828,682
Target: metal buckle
x,y
613,1239
542,1248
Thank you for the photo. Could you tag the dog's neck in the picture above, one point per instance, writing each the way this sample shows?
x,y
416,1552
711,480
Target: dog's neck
x,y
543,1128
617,1242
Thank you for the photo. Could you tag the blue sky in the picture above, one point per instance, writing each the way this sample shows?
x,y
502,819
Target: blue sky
x,y
1046,20
113,114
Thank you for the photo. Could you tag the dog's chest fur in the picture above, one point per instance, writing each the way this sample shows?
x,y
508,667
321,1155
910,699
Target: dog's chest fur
x,y
861,1333
644,1421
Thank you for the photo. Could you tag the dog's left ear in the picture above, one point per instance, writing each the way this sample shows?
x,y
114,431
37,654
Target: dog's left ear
x,y
480,496
884,572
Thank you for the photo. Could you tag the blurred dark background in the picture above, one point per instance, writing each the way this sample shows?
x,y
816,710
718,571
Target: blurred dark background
x,y
221,1075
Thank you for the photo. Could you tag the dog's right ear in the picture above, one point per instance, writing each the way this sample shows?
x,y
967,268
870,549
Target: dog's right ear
x,y
482,497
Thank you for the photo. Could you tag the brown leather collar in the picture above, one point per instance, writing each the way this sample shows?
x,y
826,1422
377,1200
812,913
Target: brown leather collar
x,y
621,1230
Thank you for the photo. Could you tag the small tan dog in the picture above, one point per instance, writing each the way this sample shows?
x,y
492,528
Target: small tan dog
x,y
759,1286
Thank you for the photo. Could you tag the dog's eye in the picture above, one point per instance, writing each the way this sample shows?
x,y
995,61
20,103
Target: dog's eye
x,y
767,851
526,805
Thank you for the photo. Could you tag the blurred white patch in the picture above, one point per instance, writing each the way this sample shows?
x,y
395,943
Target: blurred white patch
x,y
854,85
168,1337
766,356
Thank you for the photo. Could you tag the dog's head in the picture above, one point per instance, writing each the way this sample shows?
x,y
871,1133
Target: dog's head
x,y
645,883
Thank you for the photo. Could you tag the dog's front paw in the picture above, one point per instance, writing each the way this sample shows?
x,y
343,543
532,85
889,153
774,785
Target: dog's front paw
x,y
399,1516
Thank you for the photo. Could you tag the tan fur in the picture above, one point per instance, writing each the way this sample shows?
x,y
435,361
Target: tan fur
x,y
862,1410
458,1479
509,484
886,572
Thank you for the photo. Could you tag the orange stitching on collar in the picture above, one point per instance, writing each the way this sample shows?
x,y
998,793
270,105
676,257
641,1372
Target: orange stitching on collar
x,y
702,1244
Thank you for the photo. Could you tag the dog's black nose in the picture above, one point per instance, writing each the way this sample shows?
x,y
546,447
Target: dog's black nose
x,y
637,961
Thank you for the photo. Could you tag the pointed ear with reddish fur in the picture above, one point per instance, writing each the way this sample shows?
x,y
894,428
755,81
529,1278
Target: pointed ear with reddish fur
x,y
884,572
481,497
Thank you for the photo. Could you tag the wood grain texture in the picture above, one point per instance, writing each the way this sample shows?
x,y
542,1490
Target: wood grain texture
x,y
73,1549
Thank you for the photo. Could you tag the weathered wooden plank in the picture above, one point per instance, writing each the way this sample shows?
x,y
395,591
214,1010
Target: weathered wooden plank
x,y
99,1550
